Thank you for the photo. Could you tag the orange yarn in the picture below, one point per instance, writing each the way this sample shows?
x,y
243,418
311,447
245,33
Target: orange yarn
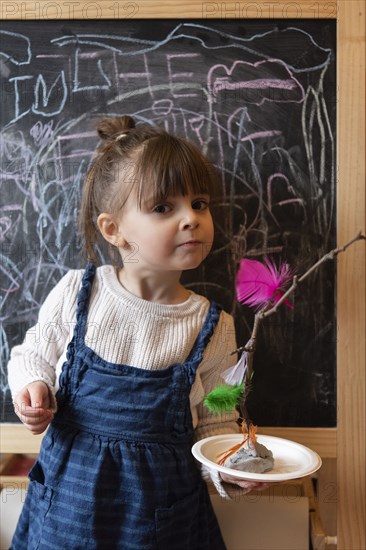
x,y
251,436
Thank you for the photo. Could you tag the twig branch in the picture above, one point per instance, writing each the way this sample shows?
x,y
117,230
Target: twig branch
x,y
297,280
269,309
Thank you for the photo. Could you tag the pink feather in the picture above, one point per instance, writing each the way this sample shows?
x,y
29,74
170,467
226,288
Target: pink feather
x,y
257,284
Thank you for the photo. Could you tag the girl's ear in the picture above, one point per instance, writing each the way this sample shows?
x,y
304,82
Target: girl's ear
x,y
110,230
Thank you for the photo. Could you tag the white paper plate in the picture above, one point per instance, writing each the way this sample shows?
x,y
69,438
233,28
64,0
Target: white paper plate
x,y
291,460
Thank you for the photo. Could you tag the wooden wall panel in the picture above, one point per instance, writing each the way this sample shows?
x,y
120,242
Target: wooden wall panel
x,y
351,277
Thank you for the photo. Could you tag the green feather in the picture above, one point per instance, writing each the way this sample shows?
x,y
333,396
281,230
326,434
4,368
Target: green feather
x,y
223,398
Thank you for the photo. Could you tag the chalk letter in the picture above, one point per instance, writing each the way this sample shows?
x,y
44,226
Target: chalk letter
x,y
40,89
181,76
20,94
92,71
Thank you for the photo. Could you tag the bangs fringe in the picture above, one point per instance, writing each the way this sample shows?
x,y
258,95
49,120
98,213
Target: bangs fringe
x,y
171,166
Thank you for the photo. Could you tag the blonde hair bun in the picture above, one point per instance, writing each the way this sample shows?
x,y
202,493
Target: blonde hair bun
x,y
110,128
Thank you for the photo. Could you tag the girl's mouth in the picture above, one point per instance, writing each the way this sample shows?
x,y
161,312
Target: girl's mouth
x,y
189,244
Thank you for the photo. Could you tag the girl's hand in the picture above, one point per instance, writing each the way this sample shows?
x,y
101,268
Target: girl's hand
x,y
246,484
32,406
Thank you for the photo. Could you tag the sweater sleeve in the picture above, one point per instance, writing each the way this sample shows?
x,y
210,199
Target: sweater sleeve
x,y
36,358
217,359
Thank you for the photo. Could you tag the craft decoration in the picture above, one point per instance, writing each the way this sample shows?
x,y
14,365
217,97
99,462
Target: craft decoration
x,y
265,287
260,284
235,375
223,398
257,285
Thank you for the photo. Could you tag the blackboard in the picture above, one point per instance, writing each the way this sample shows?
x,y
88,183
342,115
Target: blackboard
x,y
259,96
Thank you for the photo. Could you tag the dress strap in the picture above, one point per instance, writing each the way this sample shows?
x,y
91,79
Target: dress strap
x,y
208,328
83,301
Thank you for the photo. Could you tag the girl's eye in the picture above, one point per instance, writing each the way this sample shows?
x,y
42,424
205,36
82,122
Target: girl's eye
x,y
200,204
161,209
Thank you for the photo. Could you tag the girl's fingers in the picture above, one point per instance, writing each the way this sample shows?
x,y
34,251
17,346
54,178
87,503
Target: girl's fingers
x,y
33,412
31,406
246,484
33,416
254,486
36,430
34,395
37,424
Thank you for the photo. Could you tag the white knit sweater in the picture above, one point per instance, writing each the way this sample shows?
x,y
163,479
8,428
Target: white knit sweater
x,y
123,328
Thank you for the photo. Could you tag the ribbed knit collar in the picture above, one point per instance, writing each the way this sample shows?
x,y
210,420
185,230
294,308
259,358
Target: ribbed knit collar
x,y
193,305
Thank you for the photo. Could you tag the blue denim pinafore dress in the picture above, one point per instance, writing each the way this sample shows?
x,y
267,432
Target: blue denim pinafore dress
x,y
115,470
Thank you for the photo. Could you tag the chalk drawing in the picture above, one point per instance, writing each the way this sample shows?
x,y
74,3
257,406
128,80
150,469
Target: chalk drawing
x,y
259,100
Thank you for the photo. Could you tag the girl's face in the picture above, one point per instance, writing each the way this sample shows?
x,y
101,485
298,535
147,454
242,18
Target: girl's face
x,y
173,235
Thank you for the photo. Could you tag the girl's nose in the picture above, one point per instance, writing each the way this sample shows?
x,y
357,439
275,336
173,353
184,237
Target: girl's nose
x,y
189,220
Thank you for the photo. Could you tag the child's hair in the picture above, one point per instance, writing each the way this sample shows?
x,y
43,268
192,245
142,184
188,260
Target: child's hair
x,y
142,159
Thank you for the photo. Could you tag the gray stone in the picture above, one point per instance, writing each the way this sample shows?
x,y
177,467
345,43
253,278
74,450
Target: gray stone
x,y
254,458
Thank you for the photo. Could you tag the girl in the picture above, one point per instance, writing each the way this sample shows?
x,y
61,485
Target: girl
x,y
138,352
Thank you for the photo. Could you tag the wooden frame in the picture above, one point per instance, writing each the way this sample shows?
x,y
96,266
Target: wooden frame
x,y
347,441
351,278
